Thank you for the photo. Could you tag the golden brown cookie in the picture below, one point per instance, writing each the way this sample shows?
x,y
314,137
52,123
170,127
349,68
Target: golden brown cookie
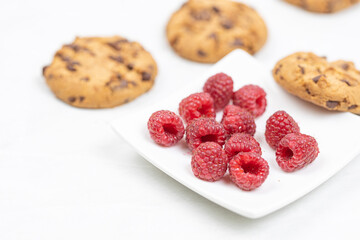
x,y
100,72
207,30
332,85
323,6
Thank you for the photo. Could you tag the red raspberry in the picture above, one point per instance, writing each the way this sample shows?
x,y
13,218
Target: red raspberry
x,y
197,105
166,128
202,130
248,170
238,122
232,109
209,162
277,126
241,142
220,87
296,151
252,98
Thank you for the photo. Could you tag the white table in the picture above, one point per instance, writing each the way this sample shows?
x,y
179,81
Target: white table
x,y
64,174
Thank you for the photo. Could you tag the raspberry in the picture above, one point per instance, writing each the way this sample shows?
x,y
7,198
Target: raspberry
x,y
240,142
209,162
202,130
252,98
248,170
197,105
296,151
220,87
166,128
238,121
277,126
232,109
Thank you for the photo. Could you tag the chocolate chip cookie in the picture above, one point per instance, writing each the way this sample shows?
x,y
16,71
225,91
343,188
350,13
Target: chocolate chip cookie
x,y
207,30
323,6
100,72
332,85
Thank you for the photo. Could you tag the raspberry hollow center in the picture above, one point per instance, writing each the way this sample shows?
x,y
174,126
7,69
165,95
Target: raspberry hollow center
x,y
259,102
209,138
203,111
287,154
251,168
170,129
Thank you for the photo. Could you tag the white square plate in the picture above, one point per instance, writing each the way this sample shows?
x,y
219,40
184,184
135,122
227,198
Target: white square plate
x,y
338,136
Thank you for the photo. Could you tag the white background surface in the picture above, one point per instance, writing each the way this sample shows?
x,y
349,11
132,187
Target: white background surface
x,y
64,174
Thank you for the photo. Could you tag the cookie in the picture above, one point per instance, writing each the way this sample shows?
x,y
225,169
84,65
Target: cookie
x,y
332,85
100,72
323,6
207,30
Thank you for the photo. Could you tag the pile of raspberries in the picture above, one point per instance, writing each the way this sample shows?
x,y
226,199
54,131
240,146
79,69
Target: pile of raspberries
x,y
230,144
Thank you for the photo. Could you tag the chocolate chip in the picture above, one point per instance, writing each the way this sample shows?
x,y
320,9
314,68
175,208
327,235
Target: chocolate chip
x,y
303,4
123,84
227,24
238,42
72,99
302,69
118,59
346,81
114,46
44,69
307,91
118,76
332,104
70,67
203,15
317,78
130,66
174,41
213,36
81,98
278,69
86,79
216,9
330,6
345,66
78,48
74,47
70,63
352,107
145,76
62,57
201,53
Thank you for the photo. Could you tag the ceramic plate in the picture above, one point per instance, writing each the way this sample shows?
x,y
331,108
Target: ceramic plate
x,y
338,136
